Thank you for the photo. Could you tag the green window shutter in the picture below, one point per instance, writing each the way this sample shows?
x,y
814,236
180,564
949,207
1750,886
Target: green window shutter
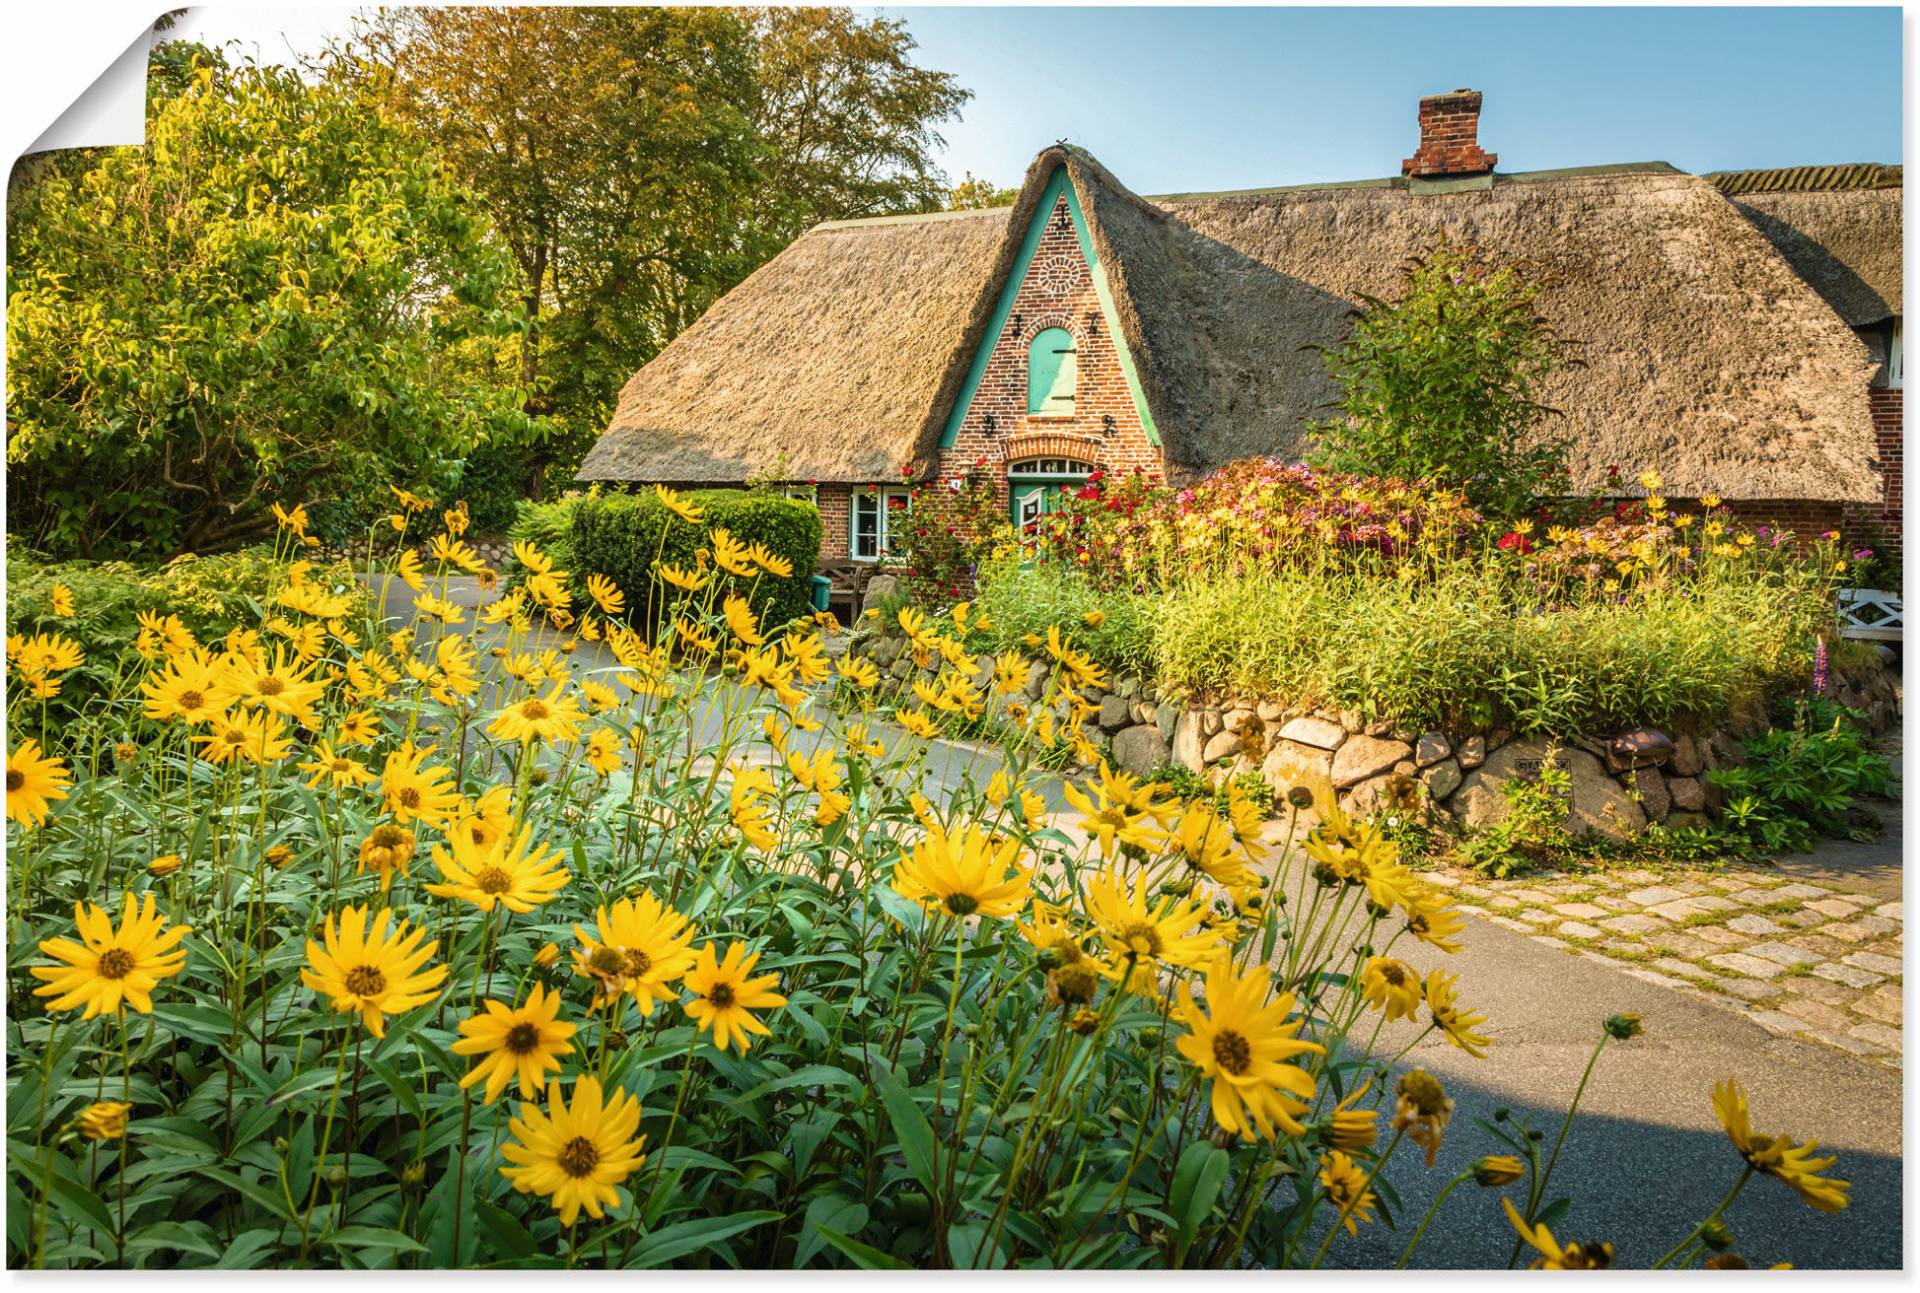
x,y
1053,370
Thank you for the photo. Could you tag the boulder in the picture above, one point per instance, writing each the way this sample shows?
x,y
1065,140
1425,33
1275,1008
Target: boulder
x,y
1654,797
1113,712
1350,720
1143,711
1473,751
1679,821
1726,751
1189,741
1479,801
1219,746
1270,711
1441,780
1686,760
1139,750
1209,722
1292,763
1601,805
1317,732
1128,686
1379,727
1688,795
885,651
1237,718
1430,748
901,667
879,588
1644,747
1404,768
1036,680
1166,717
1360,757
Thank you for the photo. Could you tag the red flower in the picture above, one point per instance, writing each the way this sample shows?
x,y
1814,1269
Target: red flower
x,y
1513,541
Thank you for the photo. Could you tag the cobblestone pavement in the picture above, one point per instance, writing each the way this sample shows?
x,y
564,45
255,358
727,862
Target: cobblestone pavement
x,y
1817,961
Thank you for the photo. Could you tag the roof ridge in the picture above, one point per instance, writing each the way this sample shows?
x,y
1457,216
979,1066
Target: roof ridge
x,y
1826,178
1400,182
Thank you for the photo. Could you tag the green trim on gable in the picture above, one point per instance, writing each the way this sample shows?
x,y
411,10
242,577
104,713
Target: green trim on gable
x,y
1058,185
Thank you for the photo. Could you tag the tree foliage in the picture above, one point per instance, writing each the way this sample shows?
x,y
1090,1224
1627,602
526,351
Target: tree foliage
x,y
262,301
976,194
1442,384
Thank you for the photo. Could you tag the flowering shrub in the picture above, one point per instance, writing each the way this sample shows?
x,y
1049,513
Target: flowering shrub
x,y
946,531
455,941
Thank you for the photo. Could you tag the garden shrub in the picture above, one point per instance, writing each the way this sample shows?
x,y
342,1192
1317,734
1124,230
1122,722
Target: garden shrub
x,y
548,527
949,530
1800,781
1021,598
622,536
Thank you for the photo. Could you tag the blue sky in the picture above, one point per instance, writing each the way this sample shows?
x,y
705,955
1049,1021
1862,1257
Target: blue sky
x,y
1186,99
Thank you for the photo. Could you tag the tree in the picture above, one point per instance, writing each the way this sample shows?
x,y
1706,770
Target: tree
x,y
258,304
972,194
1441,384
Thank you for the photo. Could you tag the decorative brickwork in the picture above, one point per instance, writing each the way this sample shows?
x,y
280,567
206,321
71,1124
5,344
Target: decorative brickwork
x,y
1449,137
1104,428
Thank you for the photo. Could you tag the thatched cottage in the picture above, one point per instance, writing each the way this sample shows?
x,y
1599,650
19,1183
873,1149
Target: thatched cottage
x,y
1740,333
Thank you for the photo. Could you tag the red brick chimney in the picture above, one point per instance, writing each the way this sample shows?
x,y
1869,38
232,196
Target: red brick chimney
x,y
1449,138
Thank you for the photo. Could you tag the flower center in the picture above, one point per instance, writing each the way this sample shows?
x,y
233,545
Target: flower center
x,y
409,797
366,981
272,686
533,711
607,960
522,1038
578,1157
1142,940
962,904
191,700
1392,974
115,963
15,779
720,995
492,880
1231,1052
388,837
638,962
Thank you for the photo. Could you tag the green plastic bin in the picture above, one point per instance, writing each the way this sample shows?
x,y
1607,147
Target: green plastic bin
x,y
822,590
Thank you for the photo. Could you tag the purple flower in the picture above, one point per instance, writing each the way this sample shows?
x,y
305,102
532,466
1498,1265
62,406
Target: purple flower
x,y
1819,666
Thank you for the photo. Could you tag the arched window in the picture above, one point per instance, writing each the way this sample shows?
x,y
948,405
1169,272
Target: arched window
x,y
1053,369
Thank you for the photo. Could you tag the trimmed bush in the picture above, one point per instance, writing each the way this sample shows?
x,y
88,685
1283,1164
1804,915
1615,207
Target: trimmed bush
x,y
622,536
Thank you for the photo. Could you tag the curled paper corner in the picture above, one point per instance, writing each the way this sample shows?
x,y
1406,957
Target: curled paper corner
x,y
110,112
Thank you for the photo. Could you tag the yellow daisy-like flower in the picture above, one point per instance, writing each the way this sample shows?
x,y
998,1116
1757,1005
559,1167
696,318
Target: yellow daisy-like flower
x,y
1347,1189
33,782
1392,986
682,507
724,997
606,594
731,555
61,598
554,718
386,849
373,967
188,687
411,790
104,1120
1241,1040
359,728
1422,1110
644,948
1353,1129
281,687
771,562
342,772
918,722
1173,932
574,1155
1778,1156
164,865
602,698
603,752
691,581
111,968
514,1043
741,621
862,673
408,568
966,873
258,738
516,874
747,805
1455,1021
1555,1256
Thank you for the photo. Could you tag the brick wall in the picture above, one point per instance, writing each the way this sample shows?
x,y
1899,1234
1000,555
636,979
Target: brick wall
x,y
1449,137
835,506
1105,428
1871,525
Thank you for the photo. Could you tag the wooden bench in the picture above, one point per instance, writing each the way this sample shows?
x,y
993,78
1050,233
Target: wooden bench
x,y
847,582
1872,615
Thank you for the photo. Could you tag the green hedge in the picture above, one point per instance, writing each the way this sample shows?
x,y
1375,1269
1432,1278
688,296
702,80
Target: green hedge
x,y
621,535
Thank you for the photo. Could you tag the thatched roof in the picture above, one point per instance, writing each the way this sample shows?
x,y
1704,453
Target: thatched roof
x,y
1838,225
1706,356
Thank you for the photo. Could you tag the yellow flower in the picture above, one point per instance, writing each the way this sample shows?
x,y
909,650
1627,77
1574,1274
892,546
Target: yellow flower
x,y
452,551
1431,921
740,619
1496,1170
281,687
1778,1156
651,948
771,562
917,721
603,752
606,594
724,997
690,580
1422,1110
343,772
574,1156
730,554
1586,1256
110,969
1392,986
104,1120
681,507
387,848
1241,1040
257,738
296,520
1094,619
862,673
966,873
33,781
62,599
517,1042
1352,1129
1172,932
408,568
747,807
535,561
516,874
359,728
601,697
1347,1190
439,609
555,718
164,865
372,967
1457,1023
412,791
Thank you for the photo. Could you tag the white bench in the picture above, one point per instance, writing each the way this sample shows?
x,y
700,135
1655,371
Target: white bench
x,y
1871,614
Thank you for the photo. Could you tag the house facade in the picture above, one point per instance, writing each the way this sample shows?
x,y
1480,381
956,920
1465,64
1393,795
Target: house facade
x,y
1086,329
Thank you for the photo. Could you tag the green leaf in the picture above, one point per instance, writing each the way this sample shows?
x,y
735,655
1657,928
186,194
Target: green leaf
x,y
865,1256
354,1237
1196,1184
675,1241
833,1212
911,1126
73,1195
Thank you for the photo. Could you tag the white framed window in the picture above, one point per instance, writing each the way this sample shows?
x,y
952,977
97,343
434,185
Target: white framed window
x,y
871,515
1896,358
802,493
